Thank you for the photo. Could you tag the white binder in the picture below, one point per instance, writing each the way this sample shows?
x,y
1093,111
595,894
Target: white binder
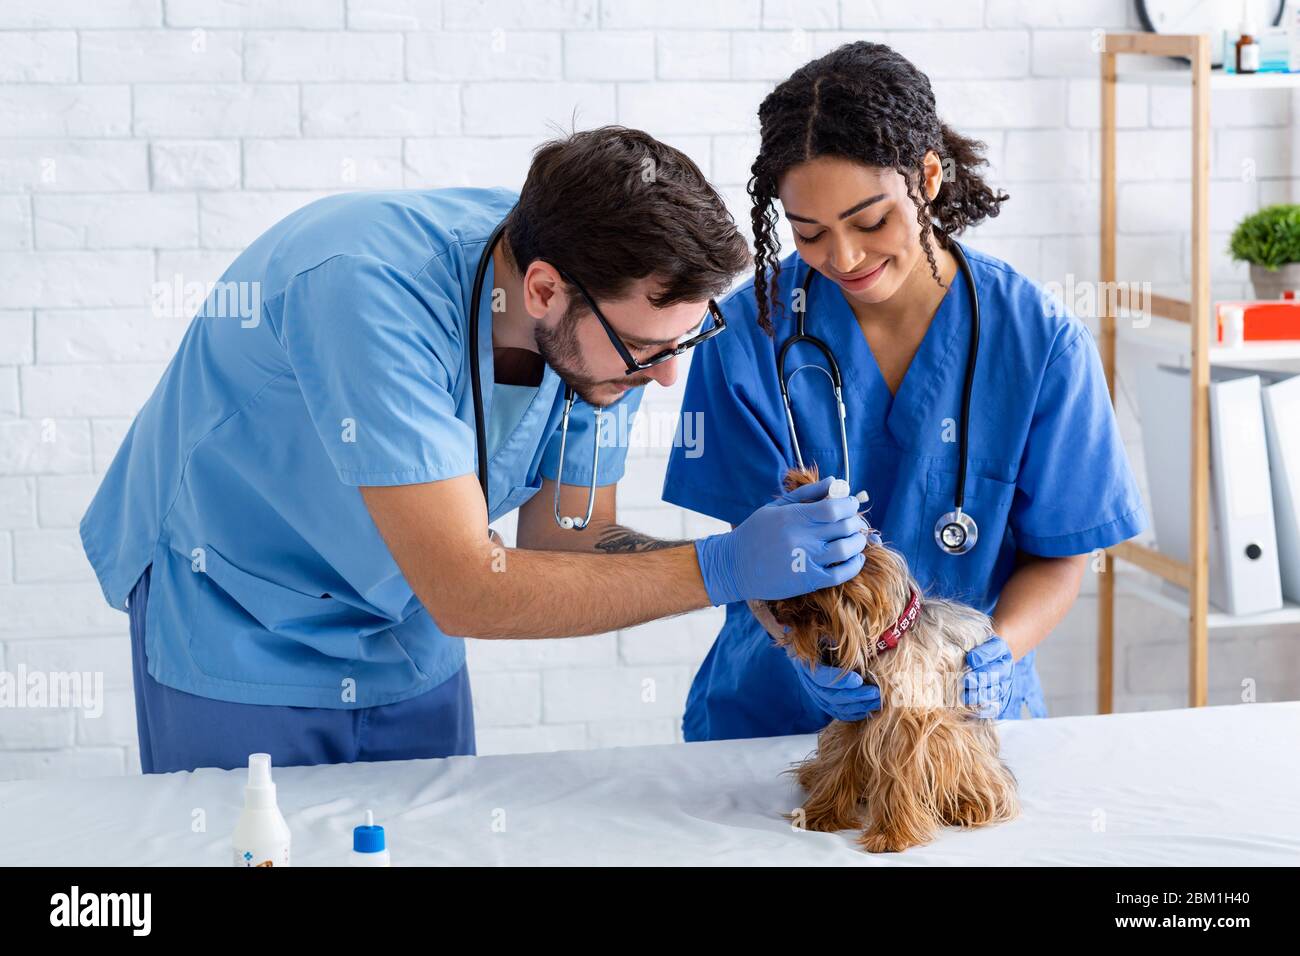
x,y
1244,491
1280,398
1244,576
1282,421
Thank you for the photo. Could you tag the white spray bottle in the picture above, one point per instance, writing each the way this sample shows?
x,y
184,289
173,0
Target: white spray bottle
x,y
261,835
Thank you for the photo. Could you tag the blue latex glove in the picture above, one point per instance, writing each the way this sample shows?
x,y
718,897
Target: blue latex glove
x,y
988,683
761,559
841,697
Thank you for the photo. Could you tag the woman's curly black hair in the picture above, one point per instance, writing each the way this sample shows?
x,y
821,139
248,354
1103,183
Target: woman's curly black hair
x,y
867,103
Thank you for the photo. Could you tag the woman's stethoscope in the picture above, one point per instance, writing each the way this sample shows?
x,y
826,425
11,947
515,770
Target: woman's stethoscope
x,y
480,427
956,531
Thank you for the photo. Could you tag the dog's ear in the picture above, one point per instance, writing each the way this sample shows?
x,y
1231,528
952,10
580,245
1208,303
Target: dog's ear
x,y
798,477
810,618
880,590
851,615
807,617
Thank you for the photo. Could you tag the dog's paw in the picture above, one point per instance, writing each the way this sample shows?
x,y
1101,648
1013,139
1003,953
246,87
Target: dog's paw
x,y
887,841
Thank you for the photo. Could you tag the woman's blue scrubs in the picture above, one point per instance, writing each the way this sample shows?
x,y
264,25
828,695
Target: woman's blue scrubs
x,y
268,614
1047,472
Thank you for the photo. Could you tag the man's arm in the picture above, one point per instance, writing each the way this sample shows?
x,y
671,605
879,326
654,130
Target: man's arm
x,y
1035,599
539,532
437,534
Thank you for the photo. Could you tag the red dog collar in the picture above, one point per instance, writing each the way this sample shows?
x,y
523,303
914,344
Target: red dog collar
x,y
905,620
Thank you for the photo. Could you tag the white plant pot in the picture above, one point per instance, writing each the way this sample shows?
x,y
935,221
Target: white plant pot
x,y
1271,283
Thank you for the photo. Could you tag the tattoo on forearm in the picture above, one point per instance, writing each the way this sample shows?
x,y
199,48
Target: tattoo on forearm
x,y
616,540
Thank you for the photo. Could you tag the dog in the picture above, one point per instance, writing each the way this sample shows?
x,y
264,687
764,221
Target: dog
x,y
924,760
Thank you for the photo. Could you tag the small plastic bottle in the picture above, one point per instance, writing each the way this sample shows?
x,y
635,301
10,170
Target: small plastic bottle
x,y
368,846
1234,325
839,488
261,835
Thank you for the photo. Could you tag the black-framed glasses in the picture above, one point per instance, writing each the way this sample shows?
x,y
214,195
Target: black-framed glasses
x,y
634,365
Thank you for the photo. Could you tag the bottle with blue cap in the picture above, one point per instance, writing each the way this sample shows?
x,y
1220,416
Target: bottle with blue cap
x,y
368,846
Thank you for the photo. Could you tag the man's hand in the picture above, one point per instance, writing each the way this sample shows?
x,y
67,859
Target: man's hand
x,y
800,542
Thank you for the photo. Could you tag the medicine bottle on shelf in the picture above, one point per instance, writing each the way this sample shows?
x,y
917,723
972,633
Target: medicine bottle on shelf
x,y
1247,51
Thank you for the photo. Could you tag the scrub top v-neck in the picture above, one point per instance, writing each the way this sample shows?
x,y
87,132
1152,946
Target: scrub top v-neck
x,y
882,427
509,405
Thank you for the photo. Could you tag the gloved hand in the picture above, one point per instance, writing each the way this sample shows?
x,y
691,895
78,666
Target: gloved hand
x,y
800,542
988,683
841,697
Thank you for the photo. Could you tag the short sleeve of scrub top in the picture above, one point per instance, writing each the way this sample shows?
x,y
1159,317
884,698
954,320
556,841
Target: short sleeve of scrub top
x,y
1074,492
613,436
371,349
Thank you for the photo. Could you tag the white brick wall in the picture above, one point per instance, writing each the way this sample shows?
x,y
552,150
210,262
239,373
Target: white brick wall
x,y
145,139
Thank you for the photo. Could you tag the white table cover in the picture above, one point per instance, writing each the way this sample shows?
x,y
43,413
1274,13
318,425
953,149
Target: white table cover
x,y
1215,785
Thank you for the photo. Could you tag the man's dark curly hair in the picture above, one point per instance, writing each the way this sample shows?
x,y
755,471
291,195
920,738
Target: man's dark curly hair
x,y
867,103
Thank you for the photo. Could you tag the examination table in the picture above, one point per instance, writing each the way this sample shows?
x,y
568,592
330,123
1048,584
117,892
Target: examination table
x,y
1215,785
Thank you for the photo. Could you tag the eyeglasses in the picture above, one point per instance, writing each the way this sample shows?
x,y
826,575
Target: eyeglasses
x,y
633,364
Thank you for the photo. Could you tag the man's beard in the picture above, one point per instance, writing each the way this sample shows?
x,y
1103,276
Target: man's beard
x,y
559,349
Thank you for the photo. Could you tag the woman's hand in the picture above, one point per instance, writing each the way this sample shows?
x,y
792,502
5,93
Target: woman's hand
x,y
840,695
989,684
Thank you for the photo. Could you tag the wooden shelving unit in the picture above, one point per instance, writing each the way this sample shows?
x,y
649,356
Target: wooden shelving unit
x,y
1182,325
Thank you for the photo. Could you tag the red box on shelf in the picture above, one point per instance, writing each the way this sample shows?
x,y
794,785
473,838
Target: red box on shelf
x,y
1265,320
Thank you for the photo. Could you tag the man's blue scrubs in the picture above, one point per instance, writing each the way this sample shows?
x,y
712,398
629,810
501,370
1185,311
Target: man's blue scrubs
x,y
267,612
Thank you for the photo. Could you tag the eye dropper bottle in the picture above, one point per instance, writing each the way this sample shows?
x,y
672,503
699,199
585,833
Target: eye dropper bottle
x,y
368,845
261,835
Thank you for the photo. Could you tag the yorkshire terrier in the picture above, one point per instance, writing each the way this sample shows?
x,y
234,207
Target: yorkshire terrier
x,y
924,760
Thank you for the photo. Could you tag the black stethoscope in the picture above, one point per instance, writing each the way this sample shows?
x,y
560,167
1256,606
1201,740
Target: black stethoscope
x,y
956,531
573,522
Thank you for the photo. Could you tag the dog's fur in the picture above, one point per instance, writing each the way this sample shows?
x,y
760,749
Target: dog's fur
x,y
924,760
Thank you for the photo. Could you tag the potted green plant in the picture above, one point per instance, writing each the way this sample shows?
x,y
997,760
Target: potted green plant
x,y
1270,241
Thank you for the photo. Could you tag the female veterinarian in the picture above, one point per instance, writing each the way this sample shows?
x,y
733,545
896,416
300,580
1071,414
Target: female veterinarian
x,y
985,440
